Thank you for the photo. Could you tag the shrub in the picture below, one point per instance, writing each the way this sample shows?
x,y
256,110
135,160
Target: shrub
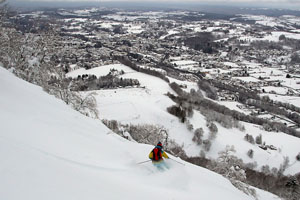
x,y
274,171
175,149
282,37
266,169
213,130
250,153
241,127
189,126
249,138
112,124
284,165
267,127
207,145
258,139
198,134
251,165
211,91
178,112
298,157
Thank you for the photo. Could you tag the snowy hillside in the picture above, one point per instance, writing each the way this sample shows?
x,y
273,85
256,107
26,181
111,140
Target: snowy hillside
x,y
148,105
50,151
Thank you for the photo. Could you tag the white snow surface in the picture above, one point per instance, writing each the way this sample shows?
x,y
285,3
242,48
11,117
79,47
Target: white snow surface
x,y
50,151
148,105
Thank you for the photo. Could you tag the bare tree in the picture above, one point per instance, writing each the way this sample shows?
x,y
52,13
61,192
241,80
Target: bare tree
x,y
284,165
293,188
85,104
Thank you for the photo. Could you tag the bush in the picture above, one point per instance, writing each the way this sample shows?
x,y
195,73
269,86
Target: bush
x,y
282,37
213,130
284,165
189,126
258,139
175,149
250,153
198,134
207,145
178,112
211,91
266,169
274,171
298,157
112,124
251,165
189,111
249,138
176,88
241,127
295,58
267,127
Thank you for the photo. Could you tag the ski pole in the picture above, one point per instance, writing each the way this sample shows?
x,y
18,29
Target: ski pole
x,y
143,162
177,161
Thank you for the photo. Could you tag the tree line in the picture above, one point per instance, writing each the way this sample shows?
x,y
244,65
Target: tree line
x,y
197,101
91,82
126,61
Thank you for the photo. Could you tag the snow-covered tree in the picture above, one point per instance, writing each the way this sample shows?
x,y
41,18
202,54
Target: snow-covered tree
x,y
249,138
230,167
198,134
258,139
207,145
30,57
213,130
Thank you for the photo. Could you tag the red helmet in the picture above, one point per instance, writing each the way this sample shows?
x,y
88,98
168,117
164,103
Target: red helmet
x,y
159,144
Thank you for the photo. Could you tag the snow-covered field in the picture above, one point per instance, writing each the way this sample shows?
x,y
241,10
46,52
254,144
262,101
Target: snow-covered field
x,y
247,79
148,105
286,99
50,151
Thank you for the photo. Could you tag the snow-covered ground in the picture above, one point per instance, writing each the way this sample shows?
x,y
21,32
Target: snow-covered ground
x,y
140,105
247,79
50,151
286,99
148,105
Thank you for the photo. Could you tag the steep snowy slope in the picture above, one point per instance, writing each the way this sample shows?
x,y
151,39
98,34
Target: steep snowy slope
x,y
49,151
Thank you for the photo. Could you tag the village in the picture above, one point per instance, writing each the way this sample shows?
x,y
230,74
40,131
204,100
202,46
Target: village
x,y
254,56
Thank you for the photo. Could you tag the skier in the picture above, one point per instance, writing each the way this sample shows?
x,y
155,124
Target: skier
x,y
157,154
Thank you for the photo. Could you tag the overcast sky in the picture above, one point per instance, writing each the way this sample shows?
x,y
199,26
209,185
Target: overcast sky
x,y
294,4
198,1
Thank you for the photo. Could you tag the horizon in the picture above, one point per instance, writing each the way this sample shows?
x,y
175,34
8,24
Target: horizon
x,y
165,4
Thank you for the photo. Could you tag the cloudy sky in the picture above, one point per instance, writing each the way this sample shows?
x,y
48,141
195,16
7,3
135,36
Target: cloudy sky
x,y
294,4
239,1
